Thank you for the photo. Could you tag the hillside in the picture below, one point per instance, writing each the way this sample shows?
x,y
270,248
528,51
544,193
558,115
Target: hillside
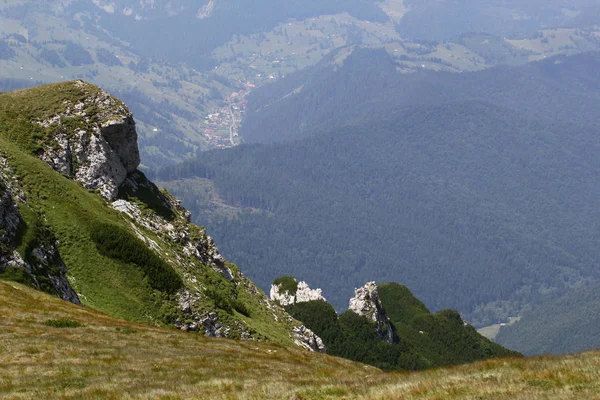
x,y
110,358
474,190
444,20
387,327
568,324
80,221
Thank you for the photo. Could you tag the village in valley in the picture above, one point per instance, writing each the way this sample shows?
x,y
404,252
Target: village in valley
x,y
221,125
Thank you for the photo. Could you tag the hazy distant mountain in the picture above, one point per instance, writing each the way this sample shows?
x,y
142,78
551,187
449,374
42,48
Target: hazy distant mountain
x,y
190,30
446,19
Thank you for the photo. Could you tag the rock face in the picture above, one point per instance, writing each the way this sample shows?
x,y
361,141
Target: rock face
x,y
303,294
366,303
102,151
307,339
41,262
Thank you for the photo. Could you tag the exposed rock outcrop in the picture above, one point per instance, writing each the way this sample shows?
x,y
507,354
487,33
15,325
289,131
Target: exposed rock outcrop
x,y
303,294
366,303
102,148
307,339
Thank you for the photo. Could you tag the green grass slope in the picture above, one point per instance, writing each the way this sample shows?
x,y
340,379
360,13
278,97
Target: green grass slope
x,y
109,266
53,349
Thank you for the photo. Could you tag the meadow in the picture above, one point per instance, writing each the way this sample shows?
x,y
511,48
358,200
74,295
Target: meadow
x,y
51,349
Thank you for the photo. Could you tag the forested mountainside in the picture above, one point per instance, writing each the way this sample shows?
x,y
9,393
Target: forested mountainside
x,y
568,324
476,206
386,326
355,85
78,220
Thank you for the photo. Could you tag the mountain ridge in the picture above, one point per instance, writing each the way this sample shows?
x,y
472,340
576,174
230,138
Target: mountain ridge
x,y
72,153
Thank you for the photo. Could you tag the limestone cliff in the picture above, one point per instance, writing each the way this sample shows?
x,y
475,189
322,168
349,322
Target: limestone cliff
x,y
366,303
101,149
299,293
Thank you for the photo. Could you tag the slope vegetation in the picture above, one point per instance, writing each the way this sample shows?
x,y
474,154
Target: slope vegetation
x,y
406,335
568,324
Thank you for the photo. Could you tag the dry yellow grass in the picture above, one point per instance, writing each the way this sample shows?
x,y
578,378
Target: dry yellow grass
x,y
112,359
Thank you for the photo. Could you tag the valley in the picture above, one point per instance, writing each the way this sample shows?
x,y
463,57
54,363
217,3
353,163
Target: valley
x,y
431,166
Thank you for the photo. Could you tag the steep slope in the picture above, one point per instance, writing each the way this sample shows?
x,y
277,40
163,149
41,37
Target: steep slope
x,y
69,153
110,358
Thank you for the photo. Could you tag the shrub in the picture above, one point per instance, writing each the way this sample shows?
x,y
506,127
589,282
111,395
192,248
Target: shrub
x,y
63,323
117,243
287,284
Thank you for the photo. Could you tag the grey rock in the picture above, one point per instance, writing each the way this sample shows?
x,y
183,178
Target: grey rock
x,y
307,339
303,294
366,303
102,157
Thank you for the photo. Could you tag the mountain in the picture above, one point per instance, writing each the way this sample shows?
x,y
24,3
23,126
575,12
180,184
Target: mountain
x,y
474,190
386,326
186,68
51,348
357,85
80,221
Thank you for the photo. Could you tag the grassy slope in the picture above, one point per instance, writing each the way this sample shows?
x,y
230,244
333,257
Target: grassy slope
x,y
108,358
70,212
69,209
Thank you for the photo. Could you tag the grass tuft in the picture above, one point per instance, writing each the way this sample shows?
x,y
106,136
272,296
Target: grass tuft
x,y
63,323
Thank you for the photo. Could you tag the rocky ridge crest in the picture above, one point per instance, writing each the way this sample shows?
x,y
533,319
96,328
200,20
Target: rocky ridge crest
x,y
102,150
303,294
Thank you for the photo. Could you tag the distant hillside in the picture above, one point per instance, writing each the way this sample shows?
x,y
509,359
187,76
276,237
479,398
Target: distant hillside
x,y
53,349
446,20
568,324
352,86
478,198
386,326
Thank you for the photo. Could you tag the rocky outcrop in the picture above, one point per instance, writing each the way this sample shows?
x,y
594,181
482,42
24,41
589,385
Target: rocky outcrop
x,y
303,294
94,141
41,262
307,339
366,303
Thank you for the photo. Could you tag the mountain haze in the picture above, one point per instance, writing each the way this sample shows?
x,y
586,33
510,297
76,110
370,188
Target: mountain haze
x,y
474,190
